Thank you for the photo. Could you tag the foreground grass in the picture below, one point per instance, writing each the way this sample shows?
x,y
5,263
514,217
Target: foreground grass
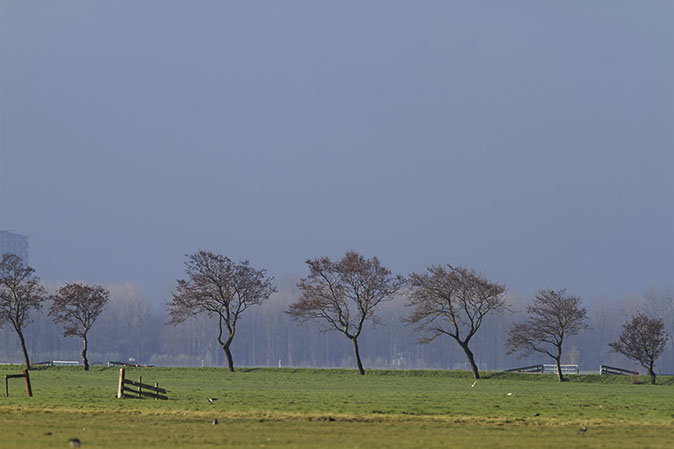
x,y
335,408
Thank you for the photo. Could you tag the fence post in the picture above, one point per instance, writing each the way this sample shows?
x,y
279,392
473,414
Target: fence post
x,y
156,391
140,381
6,386
120,388
29,390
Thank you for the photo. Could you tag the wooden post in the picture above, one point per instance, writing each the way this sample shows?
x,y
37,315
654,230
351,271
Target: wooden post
x,y
29,390
6,387
140,381
120,388
156,391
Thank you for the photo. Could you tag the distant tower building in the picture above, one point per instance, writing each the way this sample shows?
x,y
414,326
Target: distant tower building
x,y
11,242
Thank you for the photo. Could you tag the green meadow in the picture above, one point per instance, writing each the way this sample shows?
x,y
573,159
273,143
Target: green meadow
x,y
307,408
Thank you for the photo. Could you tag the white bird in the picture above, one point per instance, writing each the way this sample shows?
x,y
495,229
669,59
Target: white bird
x,y
215,421
212,400
509,394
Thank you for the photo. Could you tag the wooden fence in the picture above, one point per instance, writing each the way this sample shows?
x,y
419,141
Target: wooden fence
x,y
605,369
132,389
25,376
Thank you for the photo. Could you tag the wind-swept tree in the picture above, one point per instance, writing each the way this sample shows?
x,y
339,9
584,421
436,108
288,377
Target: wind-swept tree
x,y
345,294
77,306
20,292
553,316
453,301
219,287
643,339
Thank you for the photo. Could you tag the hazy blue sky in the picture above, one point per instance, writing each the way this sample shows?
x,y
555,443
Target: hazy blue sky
x,y
533,140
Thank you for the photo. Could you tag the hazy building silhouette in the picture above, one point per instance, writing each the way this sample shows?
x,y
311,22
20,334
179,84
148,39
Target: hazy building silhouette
x,y
11,242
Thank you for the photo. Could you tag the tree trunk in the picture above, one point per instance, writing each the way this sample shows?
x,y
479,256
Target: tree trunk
x,y
560,376
228,355
85,361
227,343
471,359
23,347
355,351
651,373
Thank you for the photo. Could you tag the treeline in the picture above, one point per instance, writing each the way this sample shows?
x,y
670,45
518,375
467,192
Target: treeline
x,y
131,328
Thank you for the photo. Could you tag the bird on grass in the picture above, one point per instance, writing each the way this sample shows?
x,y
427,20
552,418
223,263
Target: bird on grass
x,y
509,394
74,442
212,400
582,430
215,421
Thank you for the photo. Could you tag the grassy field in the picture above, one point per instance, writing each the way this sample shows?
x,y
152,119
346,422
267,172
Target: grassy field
x,y
284,408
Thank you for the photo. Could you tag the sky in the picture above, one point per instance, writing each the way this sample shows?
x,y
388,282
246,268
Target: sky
x,y
531,140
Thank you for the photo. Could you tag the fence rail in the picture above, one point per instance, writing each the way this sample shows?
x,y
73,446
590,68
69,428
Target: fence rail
x,y
65,363
25,376
566,369
605,369
126,364
45,363
525,369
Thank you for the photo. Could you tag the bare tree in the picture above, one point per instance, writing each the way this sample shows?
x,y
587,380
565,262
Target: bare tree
x,y
222,288
77,306
453,301
553,316
659,301
643,339
20,292
345,294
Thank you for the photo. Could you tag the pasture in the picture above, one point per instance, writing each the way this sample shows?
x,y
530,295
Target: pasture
x,y
305,408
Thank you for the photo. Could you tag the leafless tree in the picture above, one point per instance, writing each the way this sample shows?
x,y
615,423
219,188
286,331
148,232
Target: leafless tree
x,y
20,292
453,301
643,339
553,316
77,306
345,294
219,287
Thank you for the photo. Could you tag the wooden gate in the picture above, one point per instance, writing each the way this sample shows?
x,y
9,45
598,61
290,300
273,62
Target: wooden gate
x,y
131,389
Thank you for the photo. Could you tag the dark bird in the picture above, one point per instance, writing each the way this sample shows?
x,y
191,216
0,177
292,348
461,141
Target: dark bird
x,y
74,442
212,400
537,414
582,430
215,421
